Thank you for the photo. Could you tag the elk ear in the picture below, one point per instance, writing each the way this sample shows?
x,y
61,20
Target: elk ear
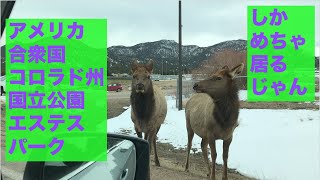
x,y
225,67
149,66
236,70
134,66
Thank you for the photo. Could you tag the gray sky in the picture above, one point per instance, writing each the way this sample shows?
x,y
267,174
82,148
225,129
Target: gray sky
x,y
205,22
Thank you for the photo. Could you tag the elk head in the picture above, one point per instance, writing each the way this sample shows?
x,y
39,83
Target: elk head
x,y
219,83
141,81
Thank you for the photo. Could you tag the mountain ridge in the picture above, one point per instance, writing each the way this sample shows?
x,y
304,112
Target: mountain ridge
x,y
162,51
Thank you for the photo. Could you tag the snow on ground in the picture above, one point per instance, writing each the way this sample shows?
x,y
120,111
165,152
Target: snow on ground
x,y
268,144
243,95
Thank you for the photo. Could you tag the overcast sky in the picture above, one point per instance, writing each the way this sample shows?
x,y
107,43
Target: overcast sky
x,y
205,22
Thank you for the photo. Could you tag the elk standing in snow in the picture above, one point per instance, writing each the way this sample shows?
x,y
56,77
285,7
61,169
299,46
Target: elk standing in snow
x,y
212,113
149,106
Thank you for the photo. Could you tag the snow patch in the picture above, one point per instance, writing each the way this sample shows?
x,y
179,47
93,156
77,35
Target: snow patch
x,y
268,144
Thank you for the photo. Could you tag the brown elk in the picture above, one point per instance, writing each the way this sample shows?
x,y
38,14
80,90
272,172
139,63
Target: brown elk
x,y
212,113
149,106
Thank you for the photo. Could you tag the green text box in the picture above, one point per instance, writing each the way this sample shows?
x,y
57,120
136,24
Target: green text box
x,y
300,63
90,51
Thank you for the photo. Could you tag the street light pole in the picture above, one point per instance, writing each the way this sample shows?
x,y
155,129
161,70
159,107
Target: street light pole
x,y
162,68
180,51
166,67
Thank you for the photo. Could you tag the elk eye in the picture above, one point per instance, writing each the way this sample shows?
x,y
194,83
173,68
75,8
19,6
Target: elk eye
x,y
219,78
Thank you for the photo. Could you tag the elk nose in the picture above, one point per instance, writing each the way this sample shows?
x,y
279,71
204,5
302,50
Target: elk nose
x,y
140,86
195,86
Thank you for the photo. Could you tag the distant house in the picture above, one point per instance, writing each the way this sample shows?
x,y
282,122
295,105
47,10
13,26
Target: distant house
x,y
120,75
156,77
124,75
199,76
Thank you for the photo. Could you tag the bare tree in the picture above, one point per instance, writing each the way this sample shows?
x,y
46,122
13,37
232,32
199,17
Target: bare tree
x,y
227,57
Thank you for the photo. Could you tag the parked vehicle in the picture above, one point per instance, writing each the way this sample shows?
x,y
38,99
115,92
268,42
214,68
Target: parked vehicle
x,y
115,87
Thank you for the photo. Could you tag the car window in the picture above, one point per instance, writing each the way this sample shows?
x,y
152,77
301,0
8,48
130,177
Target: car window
x,y
120,163
57,170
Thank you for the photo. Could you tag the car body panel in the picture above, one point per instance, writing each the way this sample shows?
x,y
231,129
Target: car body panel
x,y
128,158
121,164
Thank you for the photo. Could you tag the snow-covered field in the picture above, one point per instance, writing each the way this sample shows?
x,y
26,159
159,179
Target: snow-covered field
x,y
268,144
243,95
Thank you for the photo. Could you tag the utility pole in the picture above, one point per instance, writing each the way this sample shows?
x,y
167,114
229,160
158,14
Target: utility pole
x,y
180,51
166,68
162,68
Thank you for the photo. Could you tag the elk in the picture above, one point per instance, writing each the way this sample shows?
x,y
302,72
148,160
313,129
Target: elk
x,y
149,106
212,113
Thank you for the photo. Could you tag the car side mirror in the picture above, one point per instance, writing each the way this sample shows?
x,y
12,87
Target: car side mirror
x,y
128,158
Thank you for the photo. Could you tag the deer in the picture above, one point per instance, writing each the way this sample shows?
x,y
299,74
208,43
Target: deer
x,y
212,113
149,106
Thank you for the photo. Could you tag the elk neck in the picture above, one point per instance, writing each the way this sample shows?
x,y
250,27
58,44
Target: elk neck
x,y
226,108
143,103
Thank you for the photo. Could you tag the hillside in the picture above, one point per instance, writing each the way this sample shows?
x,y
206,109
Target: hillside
x,y
164,51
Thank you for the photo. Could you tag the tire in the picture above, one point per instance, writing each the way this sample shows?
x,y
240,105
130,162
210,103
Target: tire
x,y
118,90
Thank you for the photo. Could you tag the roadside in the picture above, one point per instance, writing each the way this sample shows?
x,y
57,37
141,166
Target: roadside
x,y
117,99
169,89
172,160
